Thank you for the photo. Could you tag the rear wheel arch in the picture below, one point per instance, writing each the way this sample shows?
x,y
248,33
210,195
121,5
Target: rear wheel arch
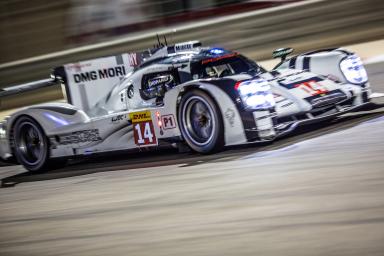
x,y
12,127
41,164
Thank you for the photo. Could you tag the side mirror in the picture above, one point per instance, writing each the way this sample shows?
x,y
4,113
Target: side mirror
x,y
282,53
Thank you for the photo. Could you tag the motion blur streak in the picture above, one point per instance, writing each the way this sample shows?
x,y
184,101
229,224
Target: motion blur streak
x,y
30,28
306,26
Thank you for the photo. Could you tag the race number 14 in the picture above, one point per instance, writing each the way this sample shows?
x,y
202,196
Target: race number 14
x,y
143,130
144,133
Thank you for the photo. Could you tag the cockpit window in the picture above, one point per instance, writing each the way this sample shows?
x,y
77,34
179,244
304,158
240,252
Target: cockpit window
x,y
225,65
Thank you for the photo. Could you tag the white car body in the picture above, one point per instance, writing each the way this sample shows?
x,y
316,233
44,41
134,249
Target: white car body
x,y
108,113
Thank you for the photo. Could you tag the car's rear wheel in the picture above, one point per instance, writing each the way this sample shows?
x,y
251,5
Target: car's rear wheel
x,y
201,122
31,145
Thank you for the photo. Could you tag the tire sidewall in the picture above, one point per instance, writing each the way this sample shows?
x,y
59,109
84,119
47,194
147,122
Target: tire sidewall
x,y
217,141
45,157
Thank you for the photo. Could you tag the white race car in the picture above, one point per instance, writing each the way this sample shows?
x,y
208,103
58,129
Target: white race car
x,y
206,98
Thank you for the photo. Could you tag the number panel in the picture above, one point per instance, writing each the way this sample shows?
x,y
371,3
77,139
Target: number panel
x,y
144,133
143,129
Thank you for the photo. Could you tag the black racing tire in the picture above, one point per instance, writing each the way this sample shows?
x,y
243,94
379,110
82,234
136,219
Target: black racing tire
x,y
31,145
201,123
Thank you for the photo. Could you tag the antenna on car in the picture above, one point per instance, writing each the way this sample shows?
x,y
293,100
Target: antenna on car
x,y
165,40
159,44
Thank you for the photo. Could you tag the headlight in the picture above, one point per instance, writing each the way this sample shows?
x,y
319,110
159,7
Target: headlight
x,y
353,70
256,94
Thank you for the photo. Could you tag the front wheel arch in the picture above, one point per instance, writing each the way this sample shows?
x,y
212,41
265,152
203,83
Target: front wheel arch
x,y
217,143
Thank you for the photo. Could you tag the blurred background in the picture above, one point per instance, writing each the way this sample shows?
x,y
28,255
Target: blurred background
x,y
30,28
319,192
37,35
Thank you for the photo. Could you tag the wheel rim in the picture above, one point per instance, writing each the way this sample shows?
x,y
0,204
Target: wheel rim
x,y
199,120
30,143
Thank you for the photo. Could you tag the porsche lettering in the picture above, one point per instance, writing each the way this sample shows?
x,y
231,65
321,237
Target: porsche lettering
x,y
79,137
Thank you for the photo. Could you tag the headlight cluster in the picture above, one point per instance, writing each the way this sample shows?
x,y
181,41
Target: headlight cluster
x,y
353,70
256,93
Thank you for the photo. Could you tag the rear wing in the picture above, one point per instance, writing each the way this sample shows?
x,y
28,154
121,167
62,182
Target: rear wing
x,y
86,82
13,90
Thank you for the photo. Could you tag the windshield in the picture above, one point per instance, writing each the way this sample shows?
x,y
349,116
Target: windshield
x,y
222,66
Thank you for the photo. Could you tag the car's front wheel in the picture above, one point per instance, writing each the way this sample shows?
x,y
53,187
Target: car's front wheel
x,y
201,122
31,146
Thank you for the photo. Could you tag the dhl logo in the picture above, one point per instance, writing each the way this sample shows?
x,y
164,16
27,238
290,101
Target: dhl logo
x,y
142,116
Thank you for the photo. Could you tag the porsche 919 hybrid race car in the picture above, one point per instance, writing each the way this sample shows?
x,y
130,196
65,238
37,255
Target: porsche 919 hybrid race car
x,y
204,97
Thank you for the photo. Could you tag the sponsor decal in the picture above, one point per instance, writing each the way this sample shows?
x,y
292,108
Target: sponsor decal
x,y
183,47
230,116
79,137
140,116
159,80
118,71
168,121
281,52
133,59
118,118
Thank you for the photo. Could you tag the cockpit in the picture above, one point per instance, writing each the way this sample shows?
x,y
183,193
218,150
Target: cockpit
x,y
224,65
170,66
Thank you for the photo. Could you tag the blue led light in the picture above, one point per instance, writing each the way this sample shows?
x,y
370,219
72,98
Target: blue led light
x,y
216,51
88,152
58,121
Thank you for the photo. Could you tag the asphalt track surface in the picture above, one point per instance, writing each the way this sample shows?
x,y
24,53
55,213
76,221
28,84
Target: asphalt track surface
x,y
319,191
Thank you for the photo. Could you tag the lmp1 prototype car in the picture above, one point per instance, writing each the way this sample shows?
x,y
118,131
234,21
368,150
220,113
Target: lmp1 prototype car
x,y
204,97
